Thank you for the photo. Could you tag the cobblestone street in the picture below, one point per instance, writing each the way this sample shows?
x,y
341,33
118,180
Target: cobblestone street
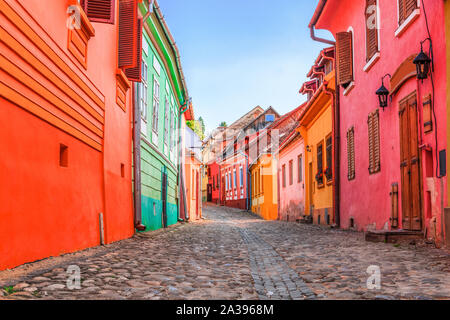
x,y
234,255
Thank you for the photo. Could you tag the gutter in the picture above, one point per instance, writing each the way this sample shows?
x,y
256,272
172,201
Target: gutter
x,y
313,22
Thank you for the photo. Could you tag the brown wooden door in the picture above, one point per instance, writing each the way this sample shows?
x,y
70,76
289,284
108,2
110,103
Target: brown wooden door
x,y
410,165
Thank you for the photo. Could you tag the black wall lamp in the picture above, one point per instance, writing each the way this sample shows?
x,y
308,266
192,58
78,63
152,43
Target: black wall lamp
x,y
423,62
383,93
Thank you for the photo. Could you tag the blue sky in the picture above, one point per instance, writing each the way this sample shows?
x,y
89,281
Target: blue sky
x,y
237,54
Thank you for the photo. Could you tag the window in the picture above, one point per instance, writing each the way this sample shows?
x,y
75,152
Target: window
x,y
63,156
374,142
344,48
405,9
270,118
283,174
143,92
351,154
300,168
329,158
226,182
214,184
371,29
166,123
172,130
320,163
235,179
217,182
230,180
155,106
99,10
241,176
291,172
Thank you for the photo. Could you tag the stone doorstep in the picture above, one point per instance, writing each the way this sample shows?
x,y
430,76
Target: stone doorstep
x,y
393,236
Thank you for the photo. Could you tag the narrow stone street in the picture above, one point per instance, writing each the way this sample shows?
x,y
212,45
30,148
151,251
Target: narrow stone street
x,y
234,255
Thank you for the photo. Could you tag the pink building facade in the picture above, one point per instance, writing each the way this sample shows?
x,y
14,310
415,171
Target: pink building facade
x,y
401,144
291,169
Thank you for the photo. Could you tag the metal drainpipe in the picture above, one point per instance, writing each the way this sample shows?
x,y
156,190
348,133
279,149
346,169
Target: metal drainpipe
x,y
337,124
137,161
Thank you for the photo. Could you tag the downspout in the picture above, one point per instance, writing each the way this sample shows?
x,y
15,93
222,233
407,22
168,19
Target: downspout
x,y
336,119
137,160
180,171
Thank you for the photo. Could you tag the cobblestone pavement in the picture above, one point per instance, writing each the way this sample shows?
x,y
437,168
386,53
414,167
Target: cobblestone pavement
x,y
234,255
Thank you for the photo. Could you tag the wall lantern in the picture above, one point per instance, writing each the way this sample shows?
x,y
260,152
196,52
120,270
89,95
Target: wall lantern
x,y
423,62
308,148
383,93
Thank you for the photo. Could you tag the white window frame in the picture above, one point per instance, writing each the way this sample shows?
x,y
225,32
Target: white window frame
x,y
166,123
408,21
352,84
155,110
377,55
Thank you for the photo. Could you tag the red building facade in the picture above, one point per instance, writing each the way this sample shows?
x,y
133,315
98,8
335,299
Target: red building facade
x,y
65,127
392,174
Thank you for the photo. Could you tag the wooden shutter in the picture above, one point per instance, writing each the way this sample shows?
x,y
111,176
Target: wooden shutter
x,y
344,46
351,154
371,31
374,142
405,9
135,74
127,37
427,114
99,10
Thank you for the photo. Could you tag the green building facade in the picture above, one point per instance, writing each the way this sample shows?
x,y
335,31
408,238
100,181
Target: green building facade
x,y
160,96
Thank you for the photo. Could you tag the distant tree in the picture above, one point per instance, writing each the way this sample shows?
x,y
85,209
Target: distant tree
x,y
198,127
223,124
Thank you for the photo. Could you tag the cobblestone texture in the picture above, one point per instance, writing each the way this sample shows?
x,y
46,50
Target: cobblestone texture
x,y
234,255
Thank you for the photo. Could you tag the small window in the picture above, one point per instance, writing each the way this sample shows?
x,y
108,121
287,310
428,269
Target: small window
x,y
319,177
291,172
241,177
351,154
270,118
99,10
63,156
329,158
405,9
374,142
122,170
344,51
371,29
283,173
300,168
155,119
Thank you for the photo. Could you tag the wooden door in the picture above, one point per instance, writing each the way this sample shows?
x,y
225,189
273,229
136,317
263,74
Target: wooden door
x,y
410,165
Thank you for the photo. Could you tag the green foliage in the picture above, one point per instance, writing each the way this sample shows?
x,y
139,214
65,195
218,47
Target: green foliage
x,y
198,126
223,124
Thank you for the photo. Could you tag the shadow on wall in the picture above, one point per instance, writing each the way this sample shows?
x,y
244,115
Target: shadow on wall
x,y
292,212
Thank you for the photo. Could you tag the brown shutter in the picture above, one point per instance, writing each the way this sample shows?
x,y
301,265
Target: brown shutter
x,y
374,142
371,33
405,9
351,153
135,74
410,6
344,48
127,29
99,10
427,114
401,11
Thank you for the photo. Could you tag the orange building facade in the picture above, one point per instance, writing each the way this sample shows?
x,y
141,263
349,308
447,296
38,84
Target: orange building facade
x,y
65,129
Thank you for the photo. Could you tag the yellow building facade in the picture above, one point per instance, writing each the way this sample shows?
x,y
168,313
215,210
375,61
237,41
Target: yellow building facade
x,y
316,128
264,187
